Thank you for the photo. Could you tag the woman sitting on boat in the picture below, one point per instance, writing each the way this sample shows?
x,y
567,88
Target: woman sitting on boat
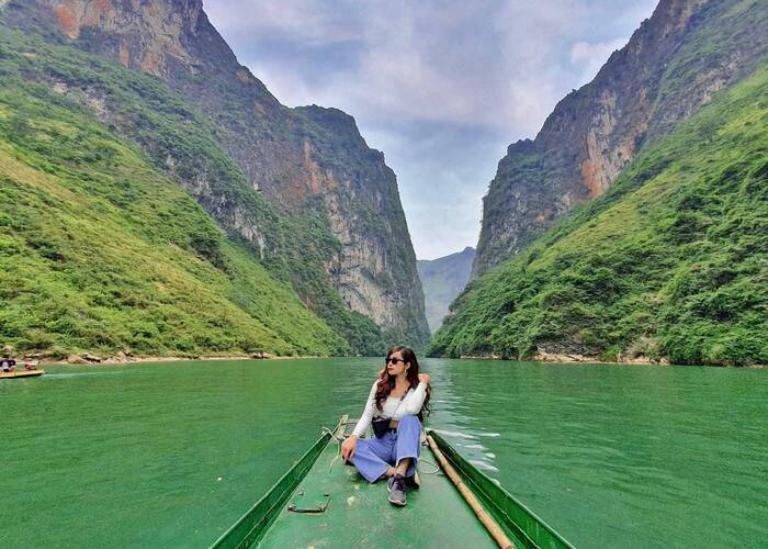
x,y
394,408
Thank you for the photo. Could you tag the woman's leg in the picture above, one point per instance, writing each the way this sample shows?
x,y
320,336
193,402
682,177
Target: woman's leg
x,y
407,446
371,455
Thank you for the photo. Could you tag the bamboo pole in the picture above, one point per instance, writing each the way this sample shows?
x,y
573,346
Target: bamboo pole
x,y
487,520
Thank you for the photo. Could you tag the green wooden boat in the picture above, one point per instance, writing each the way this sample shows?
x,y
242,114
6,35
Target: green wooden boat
x,y
321,502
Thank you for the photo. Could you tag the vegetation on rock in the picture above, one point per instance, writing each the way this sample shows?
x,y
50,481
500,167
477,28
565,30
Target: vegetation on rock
x,y
340,236
672,262
101,251
671,66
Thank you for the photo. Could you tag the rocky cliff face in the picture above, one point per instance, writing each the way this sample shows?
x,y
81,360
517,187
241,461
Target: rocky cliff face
x,y
145,35
675,61
375,271
307,162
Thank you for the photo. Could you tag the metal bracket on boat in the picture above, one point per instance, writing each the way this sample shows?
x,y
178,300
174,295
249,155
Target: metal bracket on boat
x,y
293,508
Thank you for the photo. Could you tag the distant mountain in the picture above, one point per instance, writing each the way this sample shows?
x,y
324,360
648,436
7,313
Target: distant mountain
x,y
443,279
673,65
669,260
299,188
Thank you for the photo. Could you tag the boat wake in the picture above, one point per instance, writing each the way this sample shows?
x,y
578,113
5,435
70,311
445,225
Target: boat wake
x,y
70,375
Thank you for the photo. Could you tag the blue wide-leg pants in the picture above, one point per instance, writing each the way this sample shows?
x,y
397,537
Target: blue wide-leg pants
x,y
373,456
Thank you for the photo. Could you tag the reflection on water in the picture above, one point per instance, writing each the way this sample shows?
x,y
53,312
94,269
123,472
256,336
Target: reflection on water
x,y
173,453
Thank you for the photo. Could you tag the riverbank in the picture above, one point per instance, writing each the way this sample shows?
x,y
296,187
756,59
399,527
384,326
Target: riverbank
x,y
620,361
558,357
94,360
554,357
122,358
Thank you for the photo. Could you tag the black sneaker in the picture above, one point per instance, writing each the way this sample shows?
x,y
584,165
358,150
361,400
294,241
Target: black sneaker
x,y
396,486
413,481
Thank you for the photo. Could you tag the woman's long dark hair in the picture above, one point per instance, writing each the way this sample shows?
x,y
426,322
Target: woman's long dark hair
x,y
387,382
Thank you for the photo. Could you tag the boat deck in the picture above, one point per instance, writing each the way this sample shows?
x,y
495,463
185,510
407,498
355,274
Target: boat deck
x,y
359,515
321,502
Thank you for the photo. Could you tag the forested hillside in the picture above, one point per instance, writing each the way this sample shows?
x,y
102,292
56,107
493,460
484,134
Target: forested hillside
x,y
671,262
673,64
102,252
299,187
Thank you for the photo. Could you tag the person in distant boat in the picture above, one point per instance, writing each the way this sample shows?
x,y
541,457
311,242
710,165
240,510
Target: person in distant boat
x,y
29,365
7,364
395,409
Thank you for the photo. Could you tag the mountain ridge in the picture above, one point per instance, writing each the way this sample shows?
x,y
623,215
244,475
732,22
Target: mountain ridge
x,y
633,228
103,253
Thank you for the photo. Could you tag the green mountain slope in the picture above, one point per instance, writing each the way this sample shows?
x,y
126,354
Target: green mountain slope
x,y
179,143
672,262
671,66
339,237
101,252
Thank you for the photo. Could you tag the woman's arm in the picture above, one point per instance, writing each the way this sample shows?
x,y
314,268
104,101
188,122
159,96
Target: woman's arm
x,y
365,419
412,405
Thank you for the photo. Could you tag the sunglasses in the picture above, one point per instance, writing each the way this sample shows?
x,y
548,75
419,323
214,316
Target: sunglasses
x,y
394,360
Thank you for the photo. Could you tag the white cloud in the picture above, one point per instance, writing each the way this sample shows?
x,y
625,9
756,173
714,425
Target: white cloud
x,y
289,87
306,21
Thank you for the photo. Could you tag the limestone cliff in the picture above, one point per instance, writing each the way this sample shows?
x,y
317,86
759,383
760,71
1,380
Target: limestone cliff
x,y
675,61
310,163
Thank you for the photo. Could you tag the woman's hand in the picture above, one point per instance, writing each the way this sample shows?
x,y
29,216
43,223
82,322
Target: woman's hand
x,y
348,448
424,378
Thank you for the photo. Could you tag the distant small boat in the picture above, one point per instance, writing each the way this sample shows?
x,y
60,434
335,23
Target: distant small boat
x,y
321,502
21,373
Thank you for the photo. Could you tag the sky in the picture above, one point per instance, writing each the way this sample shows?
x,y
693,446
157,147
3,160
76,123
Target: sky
x,y
441,87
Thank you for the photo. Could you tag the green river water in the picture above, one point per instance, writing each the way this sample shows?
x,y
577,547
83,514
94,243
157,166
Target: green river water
x,y
171,454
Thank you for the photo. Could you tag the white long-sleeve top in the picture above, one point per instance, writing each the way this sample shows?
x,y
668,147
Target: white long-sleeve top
x,y
393,407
